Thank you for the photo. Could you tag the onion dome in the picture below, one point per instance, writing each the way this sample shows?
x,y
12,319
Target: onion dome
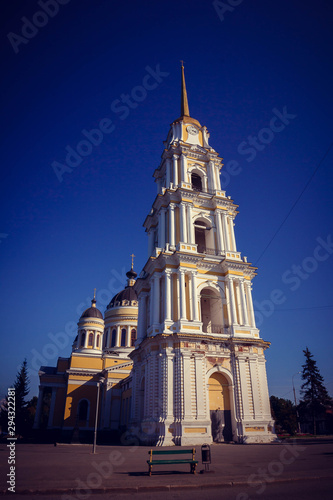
x,y
128,296
92,311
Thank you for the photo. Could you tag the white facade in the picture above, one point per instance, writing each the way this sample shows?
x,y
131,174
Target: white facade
x,y
199,367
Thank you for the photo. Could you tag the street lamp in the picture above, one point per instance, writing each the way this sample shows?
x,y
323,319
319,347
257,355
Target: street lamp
x,y
297,416
100,381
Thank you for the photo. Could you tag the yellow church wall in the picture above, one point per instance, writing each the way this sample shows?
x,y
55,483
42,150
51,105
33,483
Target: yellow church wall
x,y
87,362
112,362
74,395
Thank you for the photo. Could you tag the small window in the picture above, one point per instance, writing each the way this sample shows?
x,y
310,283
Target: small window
x,y
123,337
83,338
90,339
113,339
97,341
133,337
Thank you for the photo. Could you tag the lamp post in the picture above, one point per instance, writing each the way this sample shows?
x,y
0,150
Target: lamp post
x,y
100,381
297,416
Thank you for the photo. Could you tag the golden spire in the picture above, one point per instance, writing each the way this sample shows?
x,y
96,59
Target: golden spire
x,y
132,255
184,110
93,302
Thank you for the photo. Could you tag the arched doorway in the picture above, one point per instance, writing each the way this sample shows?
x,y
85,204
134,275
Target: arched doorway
x,y
211,311
220,408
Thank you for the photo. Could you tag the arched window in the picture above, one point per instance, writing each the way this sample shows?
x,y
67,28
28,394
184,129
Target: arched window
x,y
196,182
90,339
113,339
133,337
83,409
123,337
106,338
97,341
83,338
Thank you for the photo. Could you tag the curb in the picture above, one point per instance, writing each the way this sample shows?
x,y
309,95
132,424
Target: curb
x,y
156,488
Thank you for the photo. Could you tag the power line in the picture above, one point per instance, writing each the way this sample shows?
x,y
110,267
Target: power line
x,y
295,203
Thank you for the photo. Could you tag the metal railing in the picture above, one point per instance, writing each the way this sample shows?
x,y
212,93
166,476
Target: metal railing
x,y
213,329
207,251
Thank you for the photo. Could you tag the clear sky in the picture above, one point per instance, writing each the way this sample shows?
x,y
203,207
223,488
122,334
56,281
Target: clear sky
x,y
259,76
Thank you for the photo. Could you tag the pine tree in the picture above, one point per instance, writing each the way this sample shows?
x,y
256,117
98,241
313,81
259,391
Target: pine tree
x,y
315,396
21,386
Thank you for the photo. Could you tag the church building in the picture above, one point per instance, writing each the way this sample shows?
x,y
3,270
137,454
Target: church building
x,y
177,359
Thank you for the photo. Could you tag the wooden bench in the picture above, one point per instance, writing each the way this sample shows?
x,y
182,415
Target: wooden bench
x,y
193,463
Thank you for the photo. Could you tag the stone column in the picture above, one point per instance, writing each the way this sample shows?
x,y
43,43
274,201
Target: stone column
x,y
167,295
161,228
170,387
190,225
249,298
175,170
211,179
238,302
156,301
150,241
219,230
141,315
183,223
195,312
52,406
172,225
233,241
218,178
183,161
230,287
243,301
187,385
181,277
167,173
118,338
128,336
199,382
225,231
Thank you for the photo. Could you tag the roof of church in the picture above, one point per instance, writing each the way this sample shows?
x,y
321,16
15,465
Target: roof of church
x,y
184,107
127,294
92,312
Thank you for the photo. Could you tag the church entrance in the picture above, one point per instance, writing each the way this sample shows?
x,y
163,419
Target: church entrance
x,y
220,409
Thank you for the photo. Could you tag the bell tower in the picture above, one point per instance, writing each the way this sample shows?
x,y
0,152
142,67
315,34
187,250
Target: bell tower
x,y
198,367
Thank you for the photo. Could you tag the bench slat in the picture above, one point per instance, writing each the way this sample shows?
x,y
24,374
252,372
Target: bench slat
x,y
184,461
169,452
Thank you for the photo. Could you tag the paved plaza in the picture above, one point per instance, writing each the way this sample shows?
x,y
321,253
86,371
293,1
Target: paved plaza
x,y
74,471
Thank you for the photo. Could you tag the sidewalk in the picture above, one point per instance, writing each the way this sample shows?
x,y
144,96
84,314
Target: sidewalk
x,y
75,470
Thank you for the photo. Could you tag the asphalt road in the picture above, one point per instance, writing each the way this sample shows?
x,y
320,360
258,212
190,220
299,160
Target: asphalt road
x,y
298,490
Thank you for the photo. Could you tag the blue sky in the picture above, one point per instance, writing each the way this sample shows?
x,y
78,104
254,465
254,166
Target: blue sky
x,y
245,64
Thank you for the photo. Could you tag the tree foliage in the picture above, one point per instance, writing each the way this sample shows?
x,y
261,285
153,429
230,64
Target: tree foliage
x,y
315,398
284,414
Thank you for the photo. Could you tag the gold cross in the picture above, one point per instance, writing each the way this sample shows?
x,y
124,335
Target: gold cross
x,y
182,63
94,293
132,255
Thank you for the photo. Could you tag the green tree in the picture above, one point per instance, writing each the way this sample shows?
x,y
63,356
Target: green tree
x,y
21,386
315,398
284,414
